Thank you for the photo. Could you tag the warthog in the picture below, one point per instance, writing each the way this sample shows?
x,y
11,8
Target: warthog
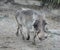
x,y
28,20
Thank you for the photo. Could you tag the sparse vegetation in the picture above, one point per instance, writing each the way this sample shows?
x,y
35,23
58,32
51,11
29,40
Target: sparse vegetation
x,y
53,3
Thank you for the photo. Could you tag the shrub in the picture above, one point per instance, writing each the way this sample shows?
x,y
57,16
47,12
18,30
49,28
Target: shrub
x,y
54,3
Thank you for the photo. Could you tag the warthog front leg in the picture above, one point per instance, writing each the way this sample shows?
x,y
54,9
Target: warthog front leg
x,y
17,33
22,34
23,31
28,35
36,34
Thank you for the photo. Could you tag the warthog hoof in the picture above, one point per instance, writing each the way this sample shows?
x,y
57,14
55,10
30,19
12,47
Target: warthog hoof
x,y
28,37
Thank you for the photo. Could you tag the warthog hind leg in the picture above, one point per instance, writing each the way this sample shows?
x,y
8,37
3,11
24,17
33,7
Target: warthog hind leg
x,y
17,33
